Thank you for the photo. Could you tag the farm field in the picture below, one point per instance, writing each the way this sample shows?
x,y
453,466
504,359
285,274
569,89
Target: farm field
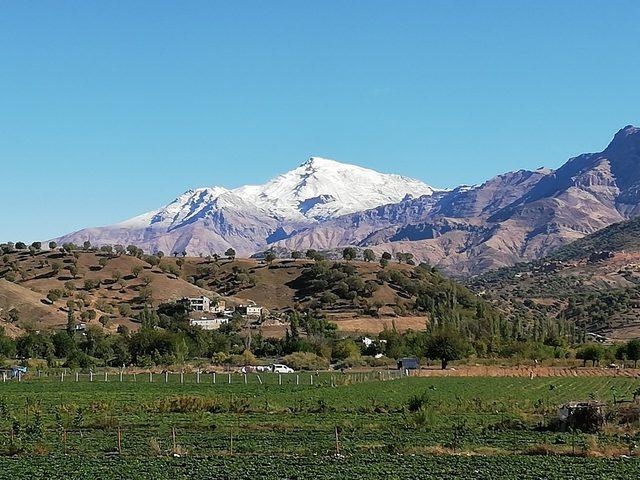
x,y
402,428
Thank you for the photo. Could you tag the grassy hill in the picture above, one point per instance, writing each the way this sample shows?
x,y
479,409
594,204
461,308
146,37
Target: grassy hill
x,y
108,289
593,282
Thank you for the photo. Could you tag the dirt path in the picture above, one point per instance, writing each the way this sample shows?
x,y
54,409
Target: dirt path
x,y
490,371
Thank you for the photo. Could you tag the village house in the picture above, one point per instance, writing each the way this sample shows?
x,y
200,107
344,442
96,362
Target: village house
x,y
253,311
204,304
207,321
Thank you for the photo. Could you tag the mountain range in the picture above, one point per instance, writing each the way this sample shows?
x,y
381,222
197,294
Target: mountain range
x,y
324,204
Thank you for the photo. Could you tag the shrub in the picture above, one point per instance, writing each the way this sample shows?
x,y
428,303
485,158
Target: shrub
x,y
306,361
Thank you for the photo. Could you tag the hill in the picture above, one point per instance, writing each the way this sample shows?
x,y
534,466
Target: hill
x,y
110,289
593,282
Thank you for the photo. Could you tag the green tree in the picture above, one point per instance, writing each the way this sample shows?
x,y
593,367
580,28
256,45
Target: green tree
x,y
269,257
53,245
590,353
71,323
632,350
445,345
349,253
230,253
368,255
296,254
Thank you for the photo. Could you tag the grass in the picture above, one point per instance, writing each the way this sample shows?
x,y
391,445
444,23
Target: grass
x,y
270,426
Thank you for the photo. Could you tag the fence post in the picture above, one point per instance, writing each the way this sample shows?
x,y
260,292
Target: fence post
x,y
245,378
198,376
297,379
105,375
213,378
62,376
121,375
181,376
166,377
259,379
150,377
279,379
134,376
311,379
229,379
77,376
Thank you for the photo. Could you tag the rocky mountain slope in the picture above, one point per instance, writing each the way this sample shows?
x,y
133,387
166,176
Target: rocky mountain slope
x,y
513,217
324,204
249,218
593,282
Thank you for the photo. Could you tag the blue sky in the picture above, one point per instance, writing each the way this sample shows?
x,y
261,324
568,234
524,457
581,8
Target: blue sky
x,y
110,109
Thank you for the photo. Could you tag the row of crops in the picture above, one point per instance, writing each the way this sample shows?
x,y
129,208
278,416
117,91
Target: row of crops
x,y
370,424
287,467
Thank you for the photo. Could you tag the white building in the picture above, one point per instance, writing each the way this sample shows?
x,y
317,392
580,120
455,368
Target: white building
x,y
204,304
208,323
249,310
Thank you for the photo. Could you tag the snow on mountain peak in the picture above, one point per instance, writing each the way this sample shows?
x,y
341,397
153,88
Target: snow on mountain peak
x,y
205,219
321,188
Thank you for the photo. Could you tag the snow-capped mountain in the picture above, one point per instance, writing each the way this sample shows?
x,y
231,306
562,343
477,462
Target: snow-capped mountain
x,y
248,218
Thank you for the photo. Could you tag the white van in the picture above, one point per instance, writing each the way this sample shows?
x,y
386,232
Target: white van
x,y
279,368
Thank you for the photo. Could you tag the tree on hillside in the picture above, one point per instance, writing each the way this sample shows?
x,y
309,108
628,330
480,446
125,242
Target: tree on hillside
x,y
86,245
180,263
37,245
296,254
119,249
386,256
384,262
135,271
53,245
230,253
184,253
269,256
21,246
368,255
349,253
71,323
446,346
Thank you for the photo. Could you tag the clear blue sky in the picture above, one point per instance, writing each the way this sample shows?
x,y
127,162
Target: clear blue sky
x,y
110,109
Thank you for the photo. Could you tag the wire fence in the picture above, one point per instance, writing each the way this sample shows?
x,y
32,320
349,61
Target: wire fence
x,y
320,378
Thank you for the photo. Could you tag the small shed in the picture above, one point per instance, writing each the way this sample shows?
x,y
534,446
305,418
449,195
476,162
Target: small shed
x,y
409,363
588,416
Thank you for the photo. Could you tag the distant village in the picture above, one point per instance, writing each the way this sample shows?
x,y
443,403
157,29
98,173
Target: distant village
x,y
210,315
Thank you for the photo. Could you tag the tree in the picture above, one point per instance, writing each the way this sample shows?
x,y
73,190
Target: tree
x,y
345,348
73,270
446,346
384,262
230,253
53,245
296,254
135,271
590,353
86,245
180,263
71,323
269,256
368,255
21,246
349,253
386,256
37,245
632,350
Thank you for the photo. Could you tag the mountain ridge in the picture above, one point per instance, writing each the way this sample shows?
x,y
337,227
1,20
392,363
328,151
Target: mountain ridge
x,y
324,204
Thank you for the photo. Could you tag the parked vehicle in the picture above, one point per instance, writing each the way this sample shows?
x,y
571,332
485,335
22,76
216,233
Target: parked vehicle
x,y
280,368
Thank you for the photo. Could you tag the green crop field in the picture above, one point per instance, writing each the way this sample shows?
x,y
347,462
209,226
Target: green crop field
x,y
342,426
